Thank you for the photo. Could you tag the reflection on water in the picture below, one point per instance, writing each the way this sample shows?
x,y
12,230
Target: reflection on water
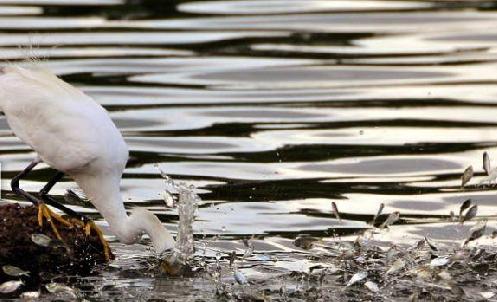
x,y
274,109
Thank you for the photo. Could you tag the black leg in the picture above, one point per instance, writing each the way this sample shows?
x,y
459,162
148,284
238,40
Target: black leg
x,y
15,184
51,183
43,192
54,203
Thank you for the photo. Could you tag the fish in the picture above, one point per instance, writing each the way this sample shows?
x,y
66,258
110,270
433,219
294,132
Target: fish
x,y
305,242
470,214
335,210
392,218
71,197
356,278
419,245
476,231
10,286
372,286
249,248
33,296
55,288
14,271
487,295
440,261
232,258
397,265
391,253
486,163
466,204
382,205
168,198
41,240
444,275
240,277
431,245
422,272
467,175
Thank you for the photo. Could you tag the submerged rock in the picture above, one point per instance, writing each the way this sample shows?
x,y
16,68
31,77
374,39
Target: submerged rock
x,y
76,253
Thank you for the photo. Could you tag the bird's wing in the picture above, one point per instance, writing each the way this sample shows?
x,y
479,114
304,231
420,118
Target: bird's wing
x,y
67,128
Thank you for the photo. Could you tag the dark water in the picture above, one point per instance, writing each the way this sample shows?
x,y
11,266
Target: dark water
x,y
274,109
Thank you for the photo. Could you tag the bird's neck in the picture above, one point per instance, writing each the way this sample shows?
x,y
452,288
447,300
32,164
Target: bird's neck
x,y
105,195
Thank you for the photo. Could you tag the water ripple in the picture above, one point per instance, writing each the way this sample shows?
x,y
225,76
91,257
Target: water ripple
x,y
277,108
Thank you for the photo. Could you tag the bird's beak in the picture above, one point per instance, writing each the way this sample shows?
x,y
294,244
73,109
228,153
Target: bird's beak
x,y
172,265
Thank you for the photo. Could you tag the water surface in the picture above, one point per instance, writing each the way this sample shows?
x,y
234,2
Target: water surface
x,y
274,109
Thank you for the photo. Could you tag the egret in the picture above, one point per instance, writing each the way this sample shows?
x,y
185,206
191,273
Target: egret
x,y
74,135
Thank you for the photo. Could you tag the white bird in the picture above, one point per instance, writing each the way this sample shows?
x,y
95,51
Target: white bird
x,y
74,134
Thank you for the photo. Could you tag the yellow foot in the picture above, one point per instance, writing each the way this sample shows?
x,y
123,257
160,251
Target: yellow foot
x,y
90,225
44,213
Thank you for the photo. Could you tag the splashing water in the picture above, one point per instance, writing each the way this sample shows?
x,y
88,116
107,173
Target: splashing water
x,y
187,206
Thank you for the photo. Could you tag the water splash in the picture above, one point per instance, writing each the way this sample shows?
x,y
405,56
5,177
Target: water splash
x,y
184,198
187,206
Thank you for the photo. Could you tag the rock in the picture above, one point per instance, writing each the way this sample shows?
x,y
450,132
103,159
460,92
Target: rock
x,y
75,254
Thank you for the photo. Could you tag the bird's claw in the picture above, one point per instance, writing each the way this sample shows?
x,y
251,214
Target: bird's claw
x,y
44,213
88,226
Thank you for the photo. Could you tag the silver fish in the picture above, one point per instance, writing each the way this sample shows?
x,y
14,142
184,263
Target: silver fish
x,y
249,248
33,296
440,261
240,278
357,277
372,286
467,175
444,275
305,242
487,295
419,245
168,198
392,218
41,240
335,210
466,204
422,272
396,266
391,253
246,242
232,258
430,244
72,198
382,205
14,271
476,231
486,162
470,214
10,286
56,288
